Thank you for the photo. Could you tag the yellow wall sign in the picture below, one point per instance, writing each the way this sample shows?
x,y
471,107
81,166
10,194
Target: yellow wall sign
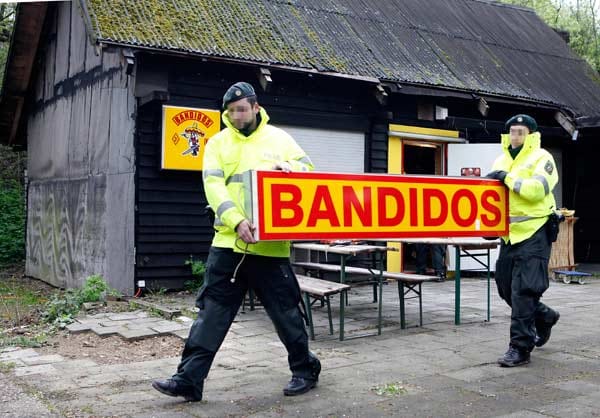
x,y
185,132
296,206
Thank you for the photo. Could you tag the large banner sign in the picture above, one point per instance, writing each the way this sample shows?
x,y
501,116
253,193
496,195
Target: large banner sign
x,y
312,205
185,132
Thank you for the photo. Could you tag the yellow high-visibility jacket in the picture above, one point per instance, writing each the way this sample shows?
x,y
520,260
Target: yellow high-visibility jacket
x,y
531,177
227,157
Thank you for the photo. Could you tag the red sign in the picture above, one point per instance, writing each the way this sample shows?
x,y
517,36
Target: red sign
x,y
311,206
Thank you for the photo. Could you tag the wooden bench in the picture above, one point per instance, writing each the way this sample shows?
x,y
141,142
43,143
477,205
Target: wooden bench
x,y
407,282
320,290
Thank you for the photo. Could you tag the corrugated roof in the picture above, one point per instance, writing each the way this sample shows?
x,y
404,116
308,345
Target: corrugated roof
x,y
470,45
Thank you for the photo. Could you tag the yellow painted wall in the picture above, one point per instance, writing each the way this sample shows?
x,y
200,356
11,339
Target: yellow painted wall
x,y
394,258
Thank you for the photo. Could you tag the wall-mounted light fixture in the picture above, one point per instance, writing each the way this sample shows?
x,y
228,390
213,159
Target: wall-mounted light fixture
x,y
441,113
567,123
381,95
264,78
483,106
129,60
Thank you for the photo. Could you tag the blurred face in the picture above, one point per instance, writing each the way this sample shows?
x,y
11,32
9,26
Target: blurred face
x,y
242,114
517,135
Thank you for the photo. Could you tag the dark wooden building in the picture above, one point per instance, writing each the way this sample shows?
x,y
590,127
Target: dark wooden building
x,y
363,85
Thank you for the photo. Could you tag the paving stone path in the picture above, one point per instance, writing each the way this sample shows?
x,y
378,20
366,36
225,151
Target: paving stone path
x,y
437,370
131,325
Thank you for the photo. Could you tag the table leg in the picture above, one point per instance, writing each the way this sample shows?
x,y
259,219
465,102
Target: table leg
x,y
343,297
457,287
329,315
379,317
342,306
488,285
401,296
311,328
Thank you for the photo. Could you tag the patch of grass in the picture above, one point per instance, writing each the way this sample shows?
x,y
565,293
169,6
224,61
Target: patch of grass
x,y
390,389
24,305
87,409
6,366
189,313
26,341
156,292
18,302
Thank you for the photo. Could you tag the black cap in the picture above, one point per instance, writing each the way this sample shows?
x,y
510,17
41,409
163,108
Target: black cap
x,y
524,120
239,90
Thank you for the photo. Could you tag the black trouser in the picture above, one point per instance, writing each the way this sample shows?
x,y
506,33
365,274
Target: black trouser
x,y
219,300
522,278
438,254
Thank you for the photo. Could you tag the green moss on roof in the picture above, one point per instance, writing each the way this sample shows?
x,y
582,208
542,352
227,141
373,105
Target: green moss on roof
x,y
482,46
242,29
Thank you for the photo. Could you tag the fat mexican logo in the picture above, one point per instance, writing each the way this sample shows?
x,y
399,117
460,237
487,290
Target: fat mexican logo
x,y
190,121
185,134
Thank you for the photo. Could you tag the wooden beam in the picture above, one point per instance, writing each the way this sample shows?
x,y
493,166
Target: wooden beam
x,y
16,119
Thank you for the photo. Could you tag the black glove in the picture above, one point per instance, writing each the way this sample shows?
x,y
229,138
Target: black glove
x,y
497,174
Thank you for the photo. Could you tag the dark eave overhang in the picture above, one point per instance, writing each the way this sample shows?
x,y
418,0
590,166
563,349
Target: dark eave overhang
x,y
28,25
394,86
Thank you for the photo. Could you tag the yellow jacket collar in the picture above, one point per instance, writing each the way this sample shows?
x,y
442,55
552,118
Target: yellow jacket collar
x,y
264,119
532,141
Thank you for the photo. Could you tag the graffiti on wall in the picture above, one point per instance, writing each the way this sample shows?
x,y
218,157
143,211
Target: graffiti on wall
x,y
65,237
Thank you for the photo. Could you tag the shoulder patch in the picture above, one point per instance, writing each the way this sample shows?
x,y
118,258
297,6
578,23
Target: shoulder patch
x,y
549,167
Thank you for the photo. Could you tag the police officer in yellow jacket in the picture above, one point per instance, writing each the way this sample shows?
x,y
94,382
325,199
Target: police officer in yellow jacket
x,y
236,262
530,174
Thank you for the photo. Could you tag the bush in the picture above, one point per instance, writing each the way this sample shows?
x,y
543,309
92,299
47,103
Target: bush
x,y
94,289
198,270
64,306
12,222
12,206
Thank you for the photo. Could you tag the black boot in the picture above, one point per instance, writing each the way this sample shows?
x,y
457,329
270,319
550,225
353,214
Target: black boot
x,y
543,332
300,385
514,357
171,388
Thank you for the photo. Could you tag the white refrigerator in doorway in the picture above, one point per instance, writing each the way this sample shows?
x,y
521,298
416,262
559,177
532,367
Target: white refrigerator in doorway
x,y
461,159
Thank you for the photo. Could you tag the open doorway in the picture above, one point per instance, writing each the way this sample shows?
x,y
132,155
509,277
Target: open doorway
x,y
422,158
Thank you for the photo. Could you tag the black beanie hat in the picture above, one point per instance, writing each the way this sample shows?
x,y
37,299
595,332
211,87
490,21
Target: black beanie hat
x,y
239,90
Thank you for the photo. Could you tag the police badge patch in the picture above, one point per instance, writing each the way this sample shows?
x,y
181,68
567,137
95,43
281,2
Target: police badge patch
x,y
549,167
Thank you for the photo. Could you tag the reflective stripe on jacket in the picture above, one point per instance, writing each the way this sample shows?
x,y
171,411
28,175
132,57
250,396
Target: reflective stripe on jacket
x,y
531,177
227,157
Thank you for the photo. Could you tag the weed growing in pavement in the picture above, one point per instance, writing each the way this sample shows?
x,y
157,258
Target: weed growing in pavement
x,y
33,341
190,313
61,309
390,389
6,366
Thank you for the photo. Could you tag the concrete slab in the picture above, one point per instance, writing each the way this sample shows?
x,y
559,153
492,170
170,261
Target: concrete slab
x,y
137,334
35,360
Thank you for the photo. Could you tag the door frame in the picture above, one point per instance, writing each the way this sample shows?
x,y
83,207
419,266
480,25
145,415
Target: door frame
x,y
398,137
